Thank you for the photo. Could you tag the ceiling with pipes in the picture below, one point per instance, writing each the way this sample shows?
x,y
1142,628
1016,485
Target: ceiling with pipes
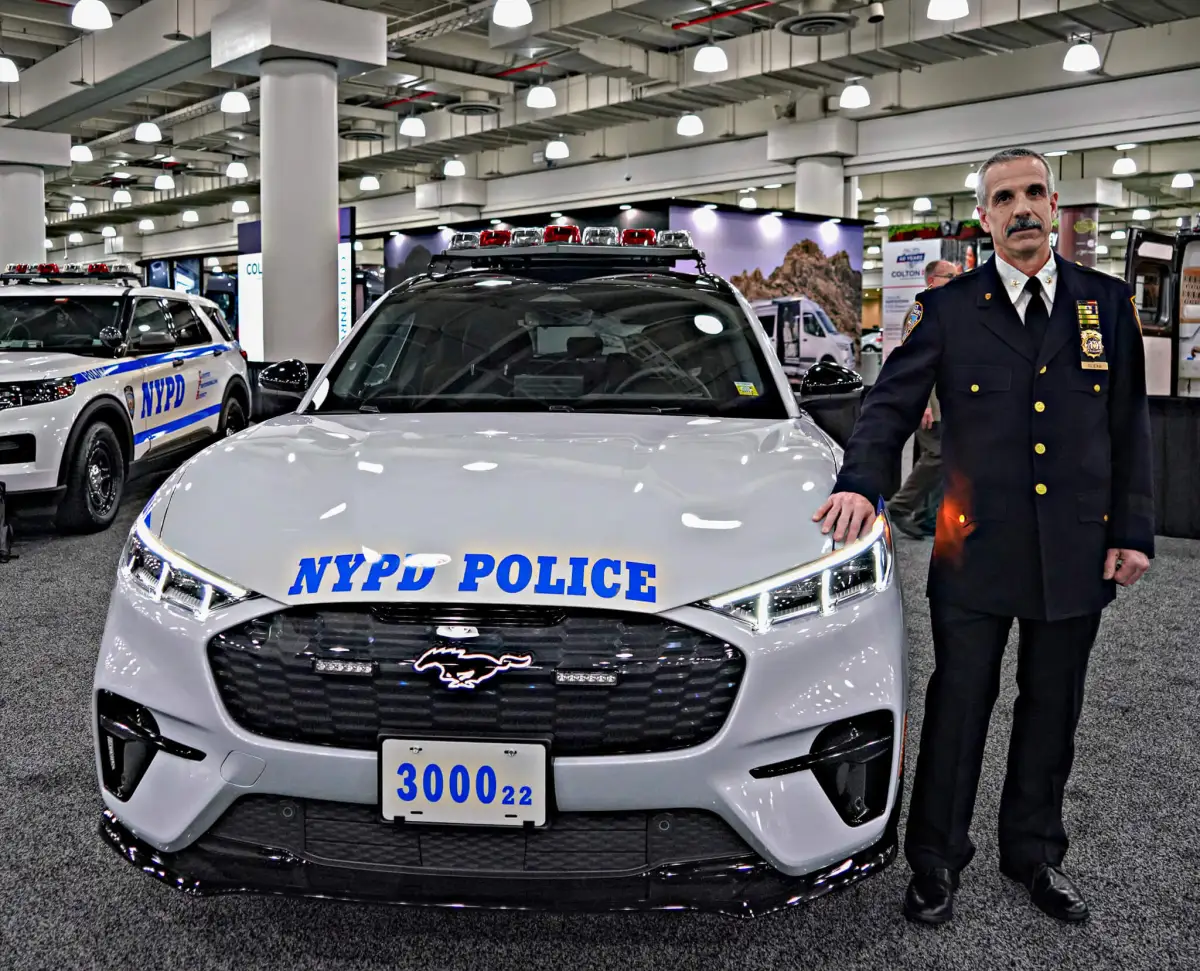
x,y
591,79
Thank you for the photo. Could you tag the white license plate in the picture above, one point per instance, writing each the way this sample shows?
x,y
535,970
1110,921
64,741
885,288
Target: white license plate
x,y
464,783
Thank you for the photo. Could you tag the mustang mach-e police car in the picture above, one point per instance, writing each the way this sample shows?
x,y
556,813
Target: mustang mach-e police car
x,y
522,606
101,377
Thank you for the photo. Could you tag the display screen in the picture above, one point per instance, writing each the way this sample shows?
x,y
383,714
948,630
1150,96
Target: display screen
x,y
187,276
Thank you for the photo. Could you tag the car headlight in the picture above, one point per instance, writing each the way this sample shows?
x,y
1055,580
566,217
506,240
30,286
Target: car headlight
x,y
14,394
859,569
166,575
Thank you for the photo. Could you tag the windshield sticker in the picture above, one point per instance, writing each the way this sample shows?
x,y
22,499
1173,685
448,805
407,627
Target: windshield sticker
x,y
746,388
572,576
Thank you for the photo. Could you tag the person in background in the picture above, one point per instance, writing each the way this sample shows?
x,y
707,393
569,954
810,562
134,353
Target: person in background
x,y
1048,508
908,506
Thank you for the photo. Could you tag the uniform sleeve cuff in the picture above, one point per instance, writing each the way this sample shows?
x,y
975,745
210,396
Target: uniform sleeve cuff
x,y
852,483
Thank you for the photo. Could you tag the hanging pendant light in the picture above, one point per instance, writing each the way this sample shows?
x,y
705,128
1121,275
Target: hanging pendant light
x,y
853,96
147,132
947,9
108,232
91,15
122,197
77,209
1124,166
557,149
241,207
191,216
237,170
8,71
1183,180
1081,57
81,153
164,183
75,238
512,13
146,226
235,103
972,180
710,59
689,125
541,96
454,168
369,183
412,127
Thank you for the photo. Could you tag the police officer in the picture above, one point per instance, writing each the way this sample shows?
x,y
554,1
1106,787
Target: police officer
x,y
927,471
1047,507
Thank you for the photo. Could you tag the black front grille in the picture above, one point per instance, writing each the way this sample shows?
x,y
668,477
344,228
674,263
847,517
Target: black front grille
x,y
574,843
675,686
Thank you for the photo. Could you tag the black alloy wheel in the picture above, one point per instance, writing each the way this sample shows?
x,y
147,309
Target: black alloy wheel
x,y
233,418
95,482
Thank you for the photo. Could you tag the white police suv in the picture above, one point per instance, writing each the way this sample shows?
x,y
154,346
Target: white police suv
x,y
523,606
101,378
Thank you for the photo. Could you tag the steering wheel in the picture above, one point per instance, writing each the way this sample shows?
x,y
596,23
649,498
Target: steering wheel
x,y
661,371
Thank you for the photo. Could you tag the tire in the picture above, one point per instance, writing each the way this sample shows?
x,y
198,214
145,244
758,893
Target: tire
x,y
95,482
233,418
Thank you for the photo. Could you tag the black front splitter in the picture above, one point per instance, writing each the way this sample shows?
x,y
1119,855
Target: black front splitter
x,y
743,887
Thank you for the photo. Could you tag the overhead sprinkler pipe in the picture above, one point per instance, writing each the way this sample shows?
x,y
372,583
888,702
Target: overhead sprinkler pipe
x,y
724,13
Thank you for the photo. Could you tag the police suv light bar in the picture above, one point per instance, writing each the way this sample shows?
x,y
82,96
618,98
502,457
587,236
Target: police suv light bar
x,y
570,241
14,272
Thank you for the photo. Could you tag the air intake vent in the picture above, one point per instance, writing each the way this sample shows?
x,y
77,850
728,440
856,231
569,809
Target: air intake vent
x,y
362,130
474,104
818,18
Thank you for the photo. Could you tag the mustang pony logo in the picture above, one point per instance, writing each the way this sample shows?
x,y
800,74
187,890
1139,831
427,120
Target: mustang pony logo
x,y
459,668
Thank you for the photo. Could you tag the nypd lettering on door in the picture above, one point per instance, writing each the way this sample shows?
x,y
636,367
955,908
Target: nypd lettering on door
x,y
162,394
485,573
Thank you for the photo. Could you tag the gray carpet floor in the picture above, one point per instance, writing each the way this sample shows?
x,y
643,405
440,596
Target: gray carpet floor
x,y
1133,811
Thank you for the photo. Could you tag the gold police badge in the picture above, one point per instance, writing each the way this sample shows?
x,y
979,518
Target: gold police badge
x,y
1091,341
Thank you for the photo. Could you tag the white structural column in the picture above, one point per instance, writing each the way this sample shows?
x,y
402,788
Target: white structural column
x,y
22,213
24,156
300,48
821,186
299,139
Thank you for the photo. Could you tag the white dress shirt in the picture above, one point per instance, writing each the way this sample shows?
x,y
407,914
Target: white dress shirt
x,y
1014,282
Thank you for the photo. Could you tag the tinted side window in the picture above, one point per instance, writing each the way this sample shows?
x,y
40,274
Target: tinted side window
x,y
149,317
189,330
812,326
214,314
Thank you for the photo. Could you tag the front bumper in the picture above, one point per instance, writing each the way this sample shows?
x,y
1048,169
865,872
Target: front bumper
x,y
792,844
32,440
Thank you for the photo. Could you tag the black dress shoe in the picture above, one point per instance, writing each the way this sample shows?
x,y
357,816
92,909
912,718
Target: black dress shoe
x,y
930,896
1054,893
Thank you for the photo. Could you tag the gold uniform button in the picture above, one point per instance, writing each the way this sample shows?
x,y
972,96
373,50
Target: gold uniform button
x,y
1106,517
1040,489
1040,448
1096,388
1043,370
962,518
974,387
1039,406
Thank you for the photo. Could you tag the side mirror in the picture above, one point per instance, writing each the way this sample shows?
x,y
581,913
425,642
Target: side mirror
x,y
286,377
826,381
152,342
111,338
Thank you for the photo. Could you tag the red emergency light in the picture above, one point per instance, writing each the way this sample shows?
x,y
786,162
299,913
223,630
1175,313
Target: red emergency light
x,y
495,237
98,268
562,234
638,237
47,268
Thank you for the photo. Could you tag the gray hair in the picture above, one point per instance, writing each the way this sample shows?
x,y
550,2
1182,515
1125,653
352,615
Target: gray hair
x,y
1009,155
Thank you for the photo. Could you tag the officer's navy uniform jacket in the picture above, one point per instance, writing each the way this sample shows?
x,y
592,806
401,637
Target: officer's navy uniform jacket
x,y
1045,451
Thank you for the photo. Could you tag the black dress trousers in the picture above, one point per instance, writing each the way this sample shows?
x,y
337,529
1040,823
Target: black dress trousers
x,y
1051,669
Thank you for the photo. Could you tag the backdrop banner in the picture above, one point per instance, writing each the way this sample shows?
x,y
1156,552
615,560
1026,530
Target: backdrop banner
x,y
903,279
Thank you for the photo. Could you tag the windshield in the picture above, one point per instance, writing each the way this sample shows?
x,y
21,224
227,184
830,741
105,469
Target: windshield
x,y
491,342
58,323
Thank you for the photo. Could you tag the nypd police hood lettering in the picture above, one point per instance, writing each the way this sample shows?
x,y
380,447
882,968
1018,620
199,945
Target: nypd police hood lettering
x,y
631,513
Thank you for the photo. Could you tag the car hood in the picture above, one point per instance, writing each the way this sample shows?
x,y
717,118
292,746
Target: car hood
x,y
627,512
37,365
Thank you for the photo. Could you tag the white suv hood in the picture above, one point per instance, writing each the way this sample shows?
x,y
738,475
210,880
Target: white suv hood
x,y
38,365
708,505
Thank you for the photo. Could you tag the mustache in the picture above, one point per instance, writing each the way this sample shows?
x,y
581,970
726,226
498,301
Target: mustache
x,y
1022,223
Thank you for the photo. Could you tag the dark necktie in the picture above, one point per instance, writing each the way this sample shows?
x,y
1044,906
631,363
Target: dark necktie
x,y
1037,317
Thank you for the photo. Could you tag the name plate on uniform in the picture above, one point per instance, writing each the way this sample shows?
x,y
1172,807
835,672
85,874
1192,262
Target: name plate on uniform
x,y
1091,341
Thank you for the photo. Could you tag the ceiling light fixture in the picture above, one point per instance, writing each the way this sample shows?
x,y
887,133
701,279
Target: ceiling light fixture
x,y
512,13
237,170
146,226
853,96
689,125
858,196
710,59
75,238
108,232
8,71
164,183
748,202
1124,166
624,207
1117,234
1058,154
240,207
235,103
122,197
1081,57
412,127
191,216
81,153
1183,180
557,149
77,209
773,185
972,180
454,168
91,15
1127,147
147,132
1141,215
369,183
1101,249
541,95
922,204
882,220
947,9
